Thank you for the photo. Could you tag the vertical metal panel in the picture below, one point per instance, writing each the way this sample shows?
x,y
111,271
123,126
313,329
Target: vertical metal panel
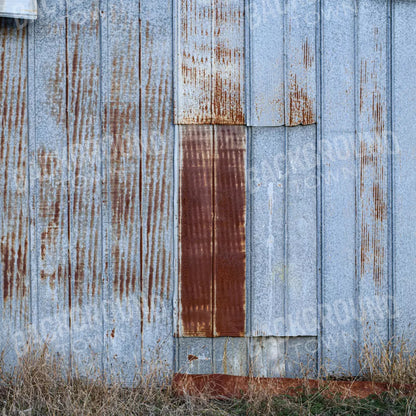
x,y
123,330
14,184
230,356
300,33
284,226
84,146
339,331
282,75
404,106
196,231
157,139
267,356
212,231
210,62
49,181
266,92
229,231
372,151
266,190
300,241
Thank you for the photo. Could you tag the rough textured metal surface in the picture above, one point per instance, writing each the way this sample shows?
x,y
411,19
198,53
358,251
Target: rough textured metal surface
x,y
282,67
19,9
212,230
87,134
16,314
339,295
210,62
283,230
356,149
88,168
404,174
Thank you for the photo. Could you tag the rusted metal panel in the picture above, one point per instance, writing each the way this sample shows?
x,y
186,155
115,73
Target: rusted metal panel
x,y
19,9
210,62
196,230
14,187
282,76
212,231
229,195
372,153
49,179
84,147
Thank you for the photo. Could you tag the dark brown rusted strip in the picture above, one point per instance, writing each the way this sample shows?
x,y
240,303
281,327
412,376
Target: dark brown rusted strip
x,y
221,385
196,210
212,231
229,231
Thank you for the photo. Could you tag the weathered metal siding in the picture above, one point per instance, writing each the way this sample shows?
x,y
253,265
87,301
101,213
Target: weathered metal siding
x,y
272,227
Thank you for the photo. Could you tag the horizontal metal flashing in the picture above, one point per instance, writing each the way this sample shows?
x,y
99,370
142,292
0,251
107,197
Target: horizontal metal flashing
x,y
19,9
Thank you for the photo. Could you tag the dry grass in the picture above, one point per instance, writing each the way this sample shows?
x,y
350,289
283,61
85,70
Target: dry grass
x,y
392,362
41,385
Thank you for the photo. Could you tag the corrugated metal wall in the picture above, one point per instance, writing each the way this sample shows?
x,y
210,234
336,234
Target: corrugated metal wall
x,y
216,186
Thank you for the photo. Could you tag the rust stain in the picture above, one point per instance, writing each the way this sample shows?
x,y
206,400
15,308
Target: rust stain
x,y
301,106
308,55
14,240
192,357
157,164
56,92
51,218
211,73
373,181
113,331
124,165
84,151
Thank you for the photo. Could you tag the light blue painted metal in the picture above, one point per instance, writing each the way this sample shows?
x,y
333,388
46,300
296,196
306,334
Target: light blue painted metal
x,y
404,158
339,296
282,68
19,9
89,164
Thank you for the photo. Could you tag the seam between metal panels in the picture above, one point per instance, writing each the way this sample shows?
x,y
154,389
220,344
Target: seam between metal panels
x,y
31,136
285,194
249,246
357,193
319,172
390,168
213,233
248,61
102,99
211,83
175,297
68,184
141,167
175,199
